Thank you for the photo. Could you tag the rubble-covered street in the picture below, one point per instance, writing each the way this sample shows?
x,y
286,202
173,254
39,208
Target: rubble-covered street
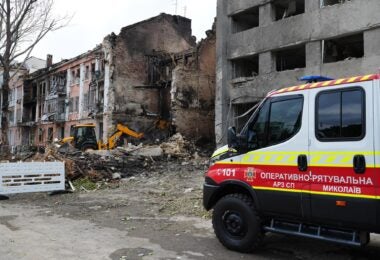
x,y
160,217
156,213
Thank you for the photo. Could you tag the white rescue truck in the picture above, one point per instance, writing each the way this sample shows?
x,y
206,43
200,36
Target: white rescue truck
x,y
306,163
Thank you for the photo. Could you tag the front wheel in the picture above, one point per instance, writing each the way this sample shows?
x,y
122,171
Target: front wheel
x,y
236,223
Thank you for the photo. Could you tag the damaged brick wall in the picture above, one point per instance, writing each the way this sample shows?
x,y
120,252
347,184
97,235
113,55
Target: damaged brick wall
x,y
193,92
131,95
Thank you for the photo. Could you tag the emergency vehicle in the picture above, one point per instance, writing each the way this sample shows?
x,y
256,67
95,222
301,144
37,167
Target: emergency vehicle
x,y
306,163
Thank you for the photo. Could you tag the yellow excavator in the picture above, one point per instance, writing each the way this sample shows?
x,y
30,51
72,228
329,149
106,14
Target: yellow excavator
x,y
83,137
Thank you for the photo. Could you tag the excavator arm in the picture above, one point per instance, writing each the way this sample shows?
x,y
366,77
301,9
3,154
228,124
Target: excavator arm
x,y
125,130
120,130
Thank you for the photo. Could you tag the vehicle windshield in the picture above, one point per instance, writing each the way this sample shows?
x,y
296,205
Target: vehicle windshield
x,y
256,109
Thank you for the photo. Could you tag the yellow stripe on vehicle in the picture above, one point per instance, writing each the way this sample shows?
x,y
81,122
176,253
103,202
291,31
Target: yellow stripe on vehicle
x,y
314,85
352,79
302,87
327,83
366,77
315,159
346,159
337,82
292,158
331,159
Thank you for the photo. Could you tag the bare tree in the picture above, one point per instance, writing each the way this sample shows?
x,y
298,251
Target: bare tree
x,y
23,23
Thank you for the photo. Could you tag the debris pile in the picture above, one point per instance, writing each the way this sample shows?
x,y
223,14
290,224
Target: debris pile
x,y
122,162
177,146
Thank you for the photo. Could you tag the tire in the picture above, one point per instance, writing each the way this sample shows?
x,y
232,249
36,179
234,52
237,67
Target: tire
x,y
236,224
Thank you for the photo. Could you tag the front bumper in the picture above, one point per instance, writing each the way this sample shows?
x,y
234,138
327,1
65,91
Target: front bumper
x,y
209,191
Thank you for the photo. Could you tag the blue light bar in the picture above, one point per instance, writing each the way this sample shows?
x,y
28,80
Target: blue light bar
x,y
314,78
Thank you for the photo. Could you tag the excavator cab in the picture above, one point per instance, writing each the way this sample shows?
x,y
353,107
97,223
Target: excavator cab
x,y
84,137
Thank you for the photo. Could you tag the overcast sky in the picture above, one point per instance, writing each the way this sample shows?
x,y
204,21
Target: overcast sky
x,y
94,19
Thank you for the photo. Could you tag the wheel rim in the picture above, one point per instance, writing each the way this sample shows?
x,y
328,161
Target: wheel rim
x,y
234,224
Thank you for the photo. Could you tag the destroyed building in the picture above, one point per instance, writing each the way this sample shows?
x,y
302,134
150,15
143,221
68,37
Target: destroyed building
x,y
142,63
152,76
139,66
16,98
269,44
61,95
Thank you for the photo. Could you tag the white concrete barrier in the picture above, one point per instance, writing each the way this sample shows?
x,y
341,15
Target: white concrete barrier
x,y
26,177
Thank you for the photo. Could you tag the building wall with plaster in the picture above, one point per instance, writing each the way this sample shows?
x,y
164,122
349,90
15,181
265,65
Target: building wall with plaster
x,y
328,37
193,91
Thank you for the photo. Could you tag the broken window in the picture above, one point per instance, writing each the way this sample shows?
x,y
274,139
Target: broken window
x,y
73,77
61,132
85,102
343,48
91,97
291,58
50,134
71,105
31,137
18,114
11,116
287,8
42,89
332,2
11,96
100,98
61,110
92,70
77,76
245,67
100,130
245,20
87,72
40,134
76,104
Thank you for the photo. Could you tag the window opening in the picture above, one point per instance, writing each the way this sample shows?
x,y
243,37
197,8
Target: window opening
x,y
287,8
246,66
245,20
289,59
332,2
343,48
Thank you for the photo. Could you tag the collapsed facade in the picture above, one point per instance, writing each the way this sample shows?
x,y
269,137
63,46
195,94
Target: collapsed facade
x,y
268,44
152,77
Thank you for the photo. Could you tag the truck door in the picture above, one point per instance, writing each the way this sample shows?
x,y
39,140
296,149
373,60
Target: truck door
x,y
342,173
278,160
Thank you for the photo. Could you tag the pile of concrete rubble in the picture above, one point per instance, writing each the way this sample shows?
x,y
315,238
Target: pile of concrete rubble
x,y
122,162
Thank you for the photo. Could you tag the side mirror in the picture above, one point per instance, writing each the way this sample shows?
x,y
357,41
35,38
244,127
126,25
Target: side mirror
x,y
231,138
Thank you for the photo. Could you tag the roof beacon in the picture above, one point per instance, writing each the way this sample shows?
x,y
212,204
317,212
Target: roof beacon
x,y
314,78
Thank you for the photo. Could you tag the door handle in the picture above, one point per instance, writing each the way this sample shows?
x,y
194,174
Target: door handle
x,y
302,162
359,164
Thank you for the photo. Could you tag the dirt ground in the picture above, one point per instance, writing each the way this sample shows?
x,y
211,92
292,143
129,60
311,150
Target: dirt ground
x,y
152,215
